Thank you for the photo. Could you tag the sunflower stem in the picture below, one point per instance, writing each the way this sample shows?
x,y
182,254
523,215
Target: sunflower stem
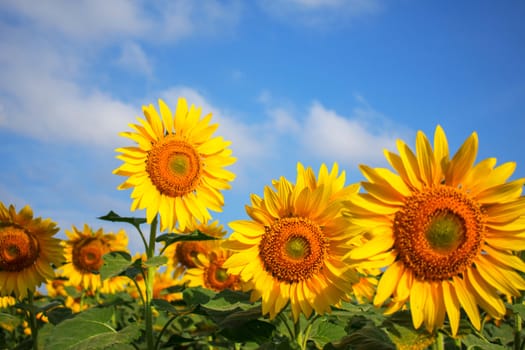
x,y
517,329
439,344
284,319
150,277
32,320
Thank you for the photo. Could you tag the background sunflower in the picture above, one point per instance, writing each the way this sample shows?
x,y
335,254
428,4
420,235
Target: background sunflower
x,y
84,253
28,251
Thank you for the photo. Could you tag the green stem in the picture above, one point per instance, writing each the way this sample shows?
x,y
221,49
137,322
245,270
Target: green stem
x,y
284,319
150,277
439,344
32,320
173,318
142,236
517,331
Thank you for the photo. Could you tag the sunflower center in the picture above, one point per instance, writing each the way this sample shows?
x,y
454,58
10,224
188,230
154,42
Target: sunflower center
x,y
293,249
446,231
439,232
18,249
174,167
87,257
297,248
217,278
186,252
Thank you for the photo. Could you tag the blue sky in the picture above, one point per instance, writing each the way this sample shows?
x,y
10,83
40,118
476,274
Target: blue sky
x,y
287,80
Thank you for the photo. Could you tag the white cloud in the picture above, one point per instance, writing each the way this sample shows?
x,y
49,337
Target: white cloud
x,y
350,139
102,21
134,59
321,13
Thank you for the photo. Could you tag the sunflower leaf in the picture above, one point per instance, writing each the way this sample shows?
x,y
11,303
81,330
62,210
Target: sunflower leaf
x,y
197,296
114,264
163,305
114,217
170,238
474,343
324,332
253,330
156,261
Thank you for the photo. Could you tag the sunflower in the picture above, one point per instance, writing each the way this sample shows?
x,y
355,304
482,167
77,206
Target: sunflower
x,y
7,301
84,252
28,251
446,228
177,169
293,248
210,273
182,255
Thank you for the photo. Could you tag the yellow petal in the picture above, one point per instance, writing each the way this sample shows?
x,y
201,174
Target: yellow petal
x,y
462,161
388,282
373,247
452,305
468,302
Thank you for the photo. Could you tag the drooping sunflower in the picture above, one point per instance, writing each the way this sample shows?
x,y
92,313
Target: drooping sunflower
x,y
446,228
177,169
210,273
28,251
293,248
183,255
84,253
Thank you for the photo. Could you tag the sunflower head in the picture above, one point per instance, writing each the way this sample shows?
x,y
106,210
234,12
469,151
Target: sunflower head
x,y
445,228
183,255
176,169
293,250
210,273
28,251
84,252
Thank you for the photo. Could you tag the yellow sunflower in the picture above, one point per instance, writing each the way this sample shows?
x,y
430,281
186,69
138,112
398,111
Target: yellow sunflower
x,y
7,301
28,251
446,229
293,248
182,255
177,169
84,252
210,273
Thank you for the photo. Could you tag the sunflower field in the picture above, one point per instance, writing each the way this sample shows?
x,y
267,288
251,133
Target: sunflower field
x,y
424,255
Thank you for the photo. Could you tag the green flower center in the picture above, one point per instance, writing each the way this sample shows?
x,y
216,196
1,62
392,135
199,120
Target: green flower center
x,y
221,275
446,232
297,247
179,164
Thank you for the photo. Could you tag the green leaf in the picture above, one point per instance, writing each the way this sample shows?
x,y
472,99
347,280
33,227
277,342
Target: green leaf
x,y
114,264
114,217
197,296
472,342
163,305
228,300
9,321
240,317
253,330
368,337
59,314
324,331
170,238
88,330
518,309
156,261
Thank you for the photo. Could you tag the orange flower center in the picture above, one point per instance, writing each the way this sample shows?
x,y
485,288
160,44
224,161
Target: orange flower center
x,y
19,249
217,278
186,252
87,255
439,232
293,249
174,167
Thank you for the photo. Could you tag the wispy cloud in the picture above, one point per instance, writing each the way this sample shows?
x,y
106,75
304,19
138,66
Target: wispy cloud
x,y
133,59
350,139
321,13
